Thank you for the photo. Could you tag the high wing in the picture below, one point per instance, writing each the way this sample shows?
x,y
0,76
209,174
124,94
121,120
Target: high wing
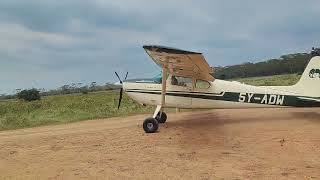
x,y
180,62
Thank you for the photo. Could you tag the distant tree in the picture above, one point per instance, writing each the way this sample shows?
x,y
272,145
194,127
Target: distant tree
x,y
29,95
78,89
18,90
84,91
2,96
93,86
65,89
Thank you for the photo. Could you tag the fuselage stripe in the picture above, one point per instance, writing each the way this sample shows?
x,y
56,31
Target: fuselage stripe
x,y
268,99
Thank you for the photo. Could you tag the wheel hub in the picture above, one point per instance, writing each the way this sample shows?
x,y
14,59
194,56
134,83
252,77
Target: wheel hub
x,y
150,125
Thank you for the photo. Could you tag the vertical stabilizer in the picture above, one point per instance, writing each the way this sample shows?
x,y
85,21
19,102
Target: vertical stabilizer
x,y
309,83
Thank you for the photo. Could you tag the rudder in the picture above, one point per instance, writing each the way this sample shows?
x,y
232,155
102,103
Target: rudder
x,y
309,83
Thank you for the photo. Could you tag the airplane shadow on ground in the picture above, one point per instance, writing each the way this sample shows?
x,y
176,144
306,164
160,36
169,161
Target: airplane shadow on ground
x,y
197,120
214,120
203,129
312,116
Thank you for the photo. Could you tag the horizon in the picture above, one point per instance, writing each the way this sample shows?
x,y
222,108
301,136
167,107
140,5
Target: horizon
x,y
116,82
47,44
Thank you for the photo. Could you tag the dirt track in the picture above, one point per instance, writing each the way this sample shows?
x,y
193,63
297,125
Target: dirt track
x,y
216,144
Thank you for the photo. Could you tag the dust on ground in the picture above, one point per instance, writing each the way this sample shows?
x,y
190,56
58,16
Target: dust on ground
x,y
215,144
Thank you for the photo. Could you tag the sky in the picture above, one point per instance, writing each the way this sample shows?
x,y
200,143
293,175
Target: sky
x,y
46,44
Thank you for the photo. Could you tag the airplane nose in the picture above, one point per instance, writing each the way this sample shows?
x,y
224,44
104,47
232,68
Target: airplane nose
x,y
117,83
124,86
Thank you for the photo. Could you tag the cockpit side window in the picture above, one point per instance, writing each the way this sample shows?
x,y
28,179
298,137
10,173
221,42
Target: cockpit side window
x,y
158,78
181,81
201,84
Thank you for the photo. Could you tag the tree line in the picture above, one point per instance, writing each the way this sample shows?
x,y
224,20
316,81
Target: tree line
x,y
286,64
79,88
72,88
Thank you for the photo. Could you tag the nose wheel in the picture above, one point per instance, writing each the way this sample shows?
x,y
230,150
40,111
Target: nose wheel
x,y
150,125
161,117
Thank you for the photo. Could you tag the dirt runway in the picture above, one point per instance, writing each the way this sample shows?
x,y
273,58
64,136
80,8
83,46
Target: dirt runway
x,y
215,144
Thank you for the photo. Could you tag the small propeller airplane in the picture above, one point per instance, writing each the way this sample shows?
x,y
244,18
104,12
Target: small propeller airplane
x,y
187,82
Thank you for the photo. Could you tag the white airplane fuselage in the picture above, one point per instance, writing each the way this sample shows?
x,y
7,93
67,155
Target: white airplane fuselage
x,y
225,94
220,94
186,82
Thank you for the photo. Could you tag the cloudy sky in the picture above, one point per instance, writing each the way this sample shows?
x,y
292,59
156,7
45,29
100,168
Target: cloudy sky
x,y
46,44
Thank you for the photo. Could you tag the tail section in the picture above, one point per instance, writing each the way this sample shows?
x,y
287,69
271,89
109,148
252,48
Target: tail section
x,y
309,83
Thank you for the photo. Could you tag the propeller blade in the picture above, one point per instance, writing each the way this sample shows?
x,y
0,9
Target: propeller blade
x,y
118,77
120,98
126,76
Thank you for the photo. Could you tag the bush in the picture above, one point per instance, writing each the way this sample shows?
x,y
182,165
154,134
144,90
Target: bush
x,y
84,91
29,95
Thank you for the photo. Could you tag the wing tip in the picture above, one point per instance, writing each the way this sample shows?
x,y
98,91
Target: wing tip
x,y
166,49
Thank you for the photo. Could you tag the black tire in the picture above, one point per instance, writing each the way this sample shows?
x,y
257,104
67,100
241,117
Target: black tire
x,y
161,117
150,125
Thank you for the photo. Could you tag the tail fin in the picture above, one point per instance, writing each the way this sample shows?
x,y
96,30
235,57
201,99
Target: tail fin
x,y
309,83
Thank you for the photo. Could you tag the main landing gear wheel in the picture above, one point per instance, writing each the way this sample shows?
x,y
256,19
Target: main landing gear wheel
x,y
150,125
161,117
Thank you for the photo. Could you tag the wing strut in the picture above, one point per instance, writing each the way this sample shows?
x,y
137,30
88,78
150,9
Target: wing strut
x,y
163,91
164,85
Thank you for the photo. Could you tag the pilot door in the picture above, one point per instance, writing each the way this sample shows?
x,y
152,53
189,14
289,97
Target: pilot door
x,y
178,92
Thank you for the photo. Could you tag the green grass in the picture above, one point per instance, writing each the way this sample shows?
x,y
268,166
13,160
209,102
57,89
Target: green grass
x,y
16,114
277,80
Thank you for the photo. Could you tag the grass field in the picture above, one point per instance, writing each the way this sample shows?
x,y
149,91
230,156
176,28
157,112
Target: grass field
x,y
276,80
65,108
16,114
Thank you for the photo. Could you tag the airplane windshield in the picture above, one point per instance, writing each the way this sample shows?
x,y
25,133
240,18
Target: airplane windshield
x,y
158,78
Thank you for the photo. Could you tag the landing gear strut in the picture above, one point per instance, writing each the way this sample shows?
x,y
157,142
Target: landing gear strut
x,y
150,125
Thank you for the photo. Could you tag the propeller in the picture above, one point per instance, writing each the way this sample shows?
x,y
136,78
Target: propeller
x,y
121,90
